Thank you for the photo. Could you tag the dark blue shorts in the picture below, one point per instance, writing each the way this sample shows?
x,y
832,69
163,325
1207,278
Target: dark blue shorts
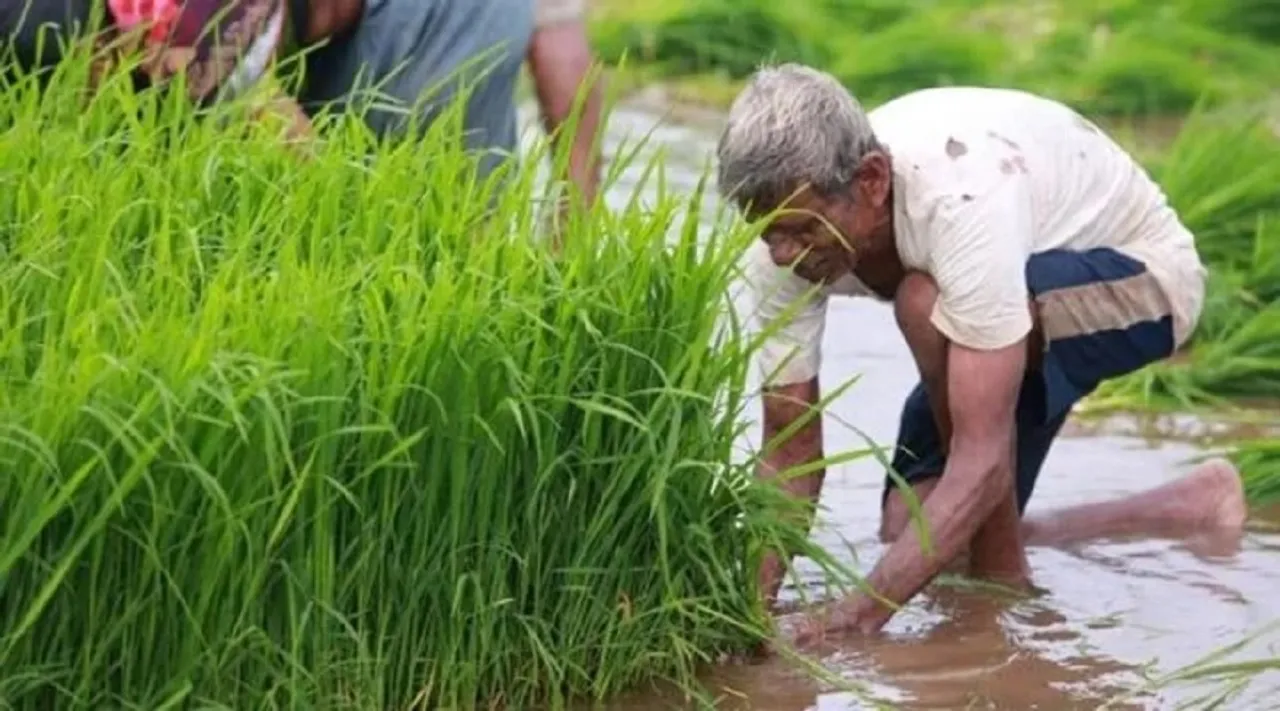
x,y
1101,315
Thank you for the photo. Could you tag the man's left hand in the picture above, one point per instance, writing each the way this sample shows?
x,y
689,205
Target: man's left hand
x,y
804,630
807,630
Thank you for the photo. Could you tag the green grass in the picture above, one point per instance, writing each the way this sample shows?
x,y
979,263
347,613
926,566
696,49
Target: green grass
x,y
1259,464
1107,57
286,433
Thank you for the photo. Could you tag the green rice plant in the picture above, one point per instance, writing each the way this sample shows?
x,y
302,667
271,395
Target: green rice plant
x,y
1112,57
1167,67
1055,57
339,431
856,17
923,50
1117,13
1127,58
1256,19
1259,465
1220,174
725,37
1218,679
716,36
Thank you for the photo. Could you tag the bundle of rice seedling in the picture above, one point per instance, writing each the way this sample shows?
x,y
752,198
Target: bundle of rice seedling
x,y
1259,463
340,432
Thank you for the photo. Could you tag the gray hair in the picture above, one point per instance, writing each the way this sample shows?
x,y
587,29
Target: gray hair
x,y
790,126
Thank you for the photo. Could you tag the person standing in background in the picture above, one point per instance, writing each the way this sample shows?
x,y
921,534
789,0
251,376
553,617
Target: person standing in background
x,y
407,48
404,49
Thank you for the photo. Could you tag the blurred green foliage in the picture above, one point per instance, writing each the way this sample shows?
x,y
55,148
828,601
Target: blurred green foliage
x,y
1112,57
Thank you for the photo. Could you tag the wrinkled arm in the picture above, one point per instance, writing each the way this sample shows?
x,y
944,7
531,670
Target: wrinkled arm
x,y
982,389
978,262
785,405
560,63
793,316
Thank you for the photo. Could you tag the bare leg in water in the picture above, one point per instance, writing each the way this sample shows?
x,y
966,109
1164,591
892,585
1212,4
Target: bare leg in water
x,y
1208,500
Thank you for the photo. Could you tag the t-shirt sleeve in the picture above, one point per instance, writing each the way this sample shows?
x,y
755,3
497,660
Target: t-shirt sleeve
x,y
551,12
795,310
978,255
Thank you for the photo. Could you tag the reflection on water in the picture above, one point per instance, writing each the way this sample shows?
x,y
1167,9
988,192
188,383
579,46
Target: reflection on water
x,y
1112,613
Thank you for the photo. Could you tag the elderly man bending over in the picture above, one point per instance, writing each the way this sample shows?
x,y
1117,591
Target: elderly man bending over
x,y
1028,258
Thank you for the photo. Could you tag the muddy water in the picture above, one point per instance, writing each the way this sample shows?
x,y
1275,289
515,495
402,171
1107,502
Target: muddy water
x,y
1114,613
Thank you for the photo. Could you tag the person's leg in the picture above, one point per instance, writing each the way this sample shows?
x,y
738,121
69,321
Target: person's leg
x,y
1100,315
1210,499
1103,315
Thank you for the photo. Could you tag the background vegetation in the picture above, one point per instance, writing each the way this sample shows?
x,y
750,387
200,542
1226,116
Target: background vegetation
x,y
1103,56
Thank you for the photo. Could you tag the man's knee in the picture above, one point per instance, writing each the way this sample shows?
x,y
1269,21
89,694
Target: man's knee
x,y
913,308
914,301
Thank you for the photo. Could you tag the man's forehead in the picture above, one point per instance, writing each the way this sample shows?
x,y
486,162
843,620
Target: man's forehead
x,y
795,208
787,221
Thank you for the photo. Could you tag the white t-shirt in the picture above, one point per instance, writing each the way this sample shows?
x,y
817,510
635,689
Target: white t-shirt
x,y
984,178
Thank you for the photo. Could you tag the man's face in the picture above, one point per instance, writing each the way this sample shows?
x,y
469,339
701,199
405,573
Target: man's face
x,y
819,235
811,236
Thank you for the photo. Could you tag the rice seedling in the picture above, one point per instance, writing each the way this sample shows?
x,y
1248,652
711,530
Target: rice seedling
x,y
886,63
341,432
1259,464
1218,680
1259,19
1162,65
1220,174
716,35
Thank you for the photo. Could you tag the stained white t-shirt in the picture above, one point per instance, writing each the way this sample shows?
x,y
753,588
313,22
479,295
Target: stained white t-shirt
x,y
983,179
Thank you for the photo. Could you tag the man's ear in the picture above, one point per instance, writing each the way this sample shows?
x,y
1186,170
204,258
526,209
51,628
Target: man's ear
x,y
874,178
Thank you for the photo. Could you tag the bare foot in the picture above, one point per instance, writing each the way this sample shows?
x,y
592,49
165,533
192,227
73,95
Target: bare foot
x,y
1209,500
1217,484
1217,487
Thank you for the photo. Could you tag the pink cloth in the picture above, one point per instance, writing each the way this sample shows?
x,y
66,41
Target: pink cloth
x,y
225,45
158,15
